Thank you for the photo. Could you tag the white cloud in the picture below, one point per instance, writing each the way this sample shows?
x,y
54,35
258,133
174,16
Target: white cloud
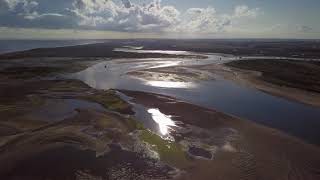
x,y
9,5
35,15
203,21
23,6
245,11
127,16
102,14
123,16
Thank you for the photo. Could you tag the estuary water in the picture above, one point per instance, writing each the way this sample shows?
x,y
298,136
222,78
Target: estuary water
x,y
292,117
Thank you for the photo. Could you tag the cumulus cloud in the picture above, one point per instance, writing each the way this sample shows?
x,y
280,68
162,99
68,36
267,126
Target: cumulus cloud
x,y
154,17
245,11
120,16
18,6
202,20
102,14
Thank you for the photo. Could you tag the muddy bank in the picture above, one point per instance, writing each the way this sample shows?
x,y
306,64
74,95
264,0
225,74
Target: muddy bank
x,y
257,152
72,163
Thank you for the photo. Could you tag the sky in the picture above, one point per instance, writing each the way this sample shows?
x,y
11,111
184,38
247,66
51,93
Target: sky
x,y
106,19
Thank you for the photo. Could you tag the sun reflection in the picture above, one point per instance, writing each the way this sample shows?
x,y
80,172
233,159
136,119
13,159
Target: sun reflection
x,y
171,84
164,121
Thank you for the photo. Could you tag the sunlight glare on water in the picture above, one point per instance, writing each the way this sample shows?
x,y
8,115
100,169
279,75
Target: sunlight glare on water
x,y
171,84
135,50
164,121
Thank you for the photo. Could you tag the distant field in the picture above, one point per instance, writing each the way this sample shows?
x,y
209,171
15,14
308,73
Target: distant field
x,y
296,74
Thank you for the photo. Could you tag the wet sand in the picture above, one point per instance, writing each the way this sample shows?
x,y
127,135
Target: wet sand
x,y
258,152
99,134
108,144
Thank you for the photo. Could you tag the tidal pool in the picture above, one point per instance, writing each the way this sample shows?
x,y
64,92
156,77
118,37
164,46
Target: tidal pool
x,y
292,117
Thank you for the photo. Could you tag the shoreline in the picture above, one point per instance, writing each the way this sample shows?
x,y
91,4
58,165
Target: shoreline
x,y
241,76
251,135
71,130
245,75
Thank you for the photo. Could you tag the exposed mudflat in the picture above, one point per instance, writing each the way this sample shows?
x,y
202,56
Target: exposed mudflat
x,y
177,116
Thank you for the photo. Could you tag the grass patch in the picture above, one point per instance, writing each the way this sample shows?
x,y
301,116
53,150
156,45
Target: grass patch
x,y
111,101
69,86
134,124
170,152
